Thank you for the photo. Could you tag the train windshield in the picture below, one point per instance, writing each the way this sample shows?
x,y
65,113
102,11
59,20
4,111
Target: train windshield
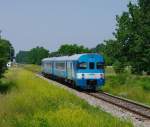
x,y
100,65
82,65
91,65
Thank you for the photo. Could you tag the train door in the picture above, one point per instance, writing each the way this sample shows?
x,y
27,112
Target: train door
x,y
69,70
52,68
72,70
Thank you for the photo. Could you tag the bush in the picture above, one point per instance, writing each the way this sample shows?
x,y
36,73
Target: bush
x,y
133,87
118,67
145,81
146,87
5,86
121,78
6,54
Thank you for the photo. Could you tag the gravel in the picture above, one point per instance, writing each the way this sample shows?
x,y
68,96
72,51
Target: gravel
x,y
137,121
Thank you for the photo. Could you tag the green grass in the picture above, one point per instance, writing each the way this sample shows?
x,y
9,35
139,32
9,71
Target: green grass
x,y
6,84
109,70
125,85
129,86
31,67
37,103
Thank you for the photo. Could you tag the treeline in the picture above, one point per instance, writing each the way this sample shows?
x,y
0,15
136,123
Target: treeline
x,y
34,56
6,54
71,49
130,46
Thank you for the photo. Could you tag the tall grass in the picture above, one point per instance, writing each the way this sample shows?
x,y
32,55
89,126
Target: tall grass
x,y
36,103
7,84
31,67
130,86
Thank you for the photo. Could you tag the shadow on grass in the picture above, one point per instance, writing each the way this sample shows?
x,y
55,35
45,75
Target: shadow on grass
x,y
5,86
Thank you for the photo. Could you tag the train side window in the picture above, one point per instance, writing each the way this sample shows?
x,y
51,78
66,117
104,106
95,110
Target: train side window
x,y
60,65
82,65
100,65
91,65
49,64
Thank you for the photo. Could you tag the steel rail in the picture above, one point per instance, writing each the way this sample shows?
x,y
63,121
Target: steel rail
x,y
132,106
129,105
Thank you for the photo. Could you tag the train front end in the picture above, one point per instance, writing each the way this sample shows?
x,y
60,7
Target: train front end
x,y
90,72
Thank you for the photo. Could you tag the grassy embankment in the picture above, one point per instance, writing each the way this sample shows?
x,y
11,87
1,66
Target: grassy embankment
x,y
129,86
125,85
32,101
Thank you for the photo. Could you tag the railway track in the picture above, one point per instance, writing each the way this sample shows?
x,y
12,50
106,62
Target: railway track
x,y
132,106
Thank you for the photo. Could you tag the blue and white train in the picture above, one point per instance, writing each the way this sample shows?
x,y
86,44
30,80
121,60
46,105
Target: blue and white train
x,y
85,71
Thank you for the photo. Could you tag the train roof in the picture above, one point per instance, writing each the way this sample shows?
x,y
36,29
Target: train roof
x,y
68,58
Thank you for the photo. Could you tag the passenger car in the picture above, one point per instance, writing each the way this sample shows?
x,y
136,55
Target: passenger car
x,y
85,71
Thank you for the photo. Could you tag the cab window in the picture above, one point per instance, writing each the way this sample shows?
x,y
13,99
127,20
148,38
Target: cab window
x,y
91,65
100,65
82,65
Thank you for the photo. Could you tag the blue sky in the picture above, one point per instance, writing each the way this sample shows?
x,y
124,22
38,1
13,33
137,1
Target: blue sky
x,y
50,23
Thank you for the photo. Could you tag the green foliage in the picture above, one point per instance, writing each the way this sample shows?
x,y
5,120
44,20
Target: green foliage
x,y
6,50
133,34
3,62
5,86
34,56
54,54
146,87
6,54
118,67
131,45
130,86
71,49
22,57
37,54
38,103
102,49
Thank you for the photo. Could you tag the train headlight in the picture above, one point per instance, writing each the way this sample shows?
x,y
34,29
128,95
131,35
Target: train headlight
x,y
102,75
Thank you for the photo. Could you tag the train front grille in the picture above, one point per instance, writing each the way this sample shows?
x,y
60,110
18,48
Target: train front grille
x,y
92,82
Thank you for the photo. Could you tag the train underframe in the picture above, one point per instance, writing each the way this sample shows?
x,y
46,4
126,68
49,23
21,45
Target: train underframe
x,y
91,84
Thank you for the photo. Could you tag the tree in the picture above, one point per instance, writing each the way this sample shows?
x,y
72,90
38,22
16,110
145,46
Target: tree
x,y
54,54
37,54
131,45
72,49
22,57
69,49
134,34
34,56
107,50
6,54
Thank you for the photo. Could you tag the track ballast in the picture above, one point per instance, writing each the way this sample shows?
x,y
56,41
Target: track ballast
x,y
129,105
134,107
